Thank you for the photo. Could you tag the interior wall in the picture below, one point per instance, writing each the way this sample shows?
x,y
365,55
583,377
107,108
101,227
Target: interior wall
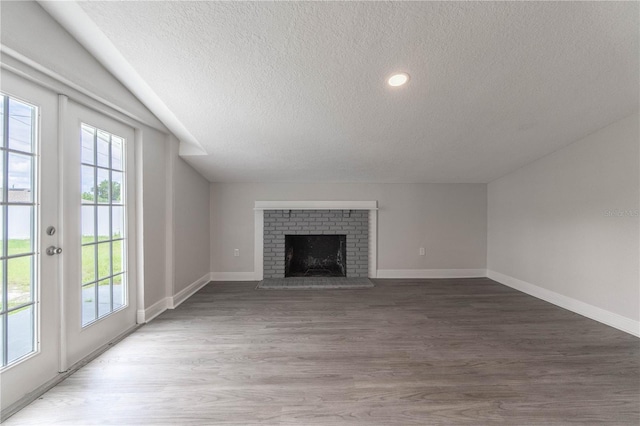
x,y
191,226
448,220
29,30
30,34
568,222
154,182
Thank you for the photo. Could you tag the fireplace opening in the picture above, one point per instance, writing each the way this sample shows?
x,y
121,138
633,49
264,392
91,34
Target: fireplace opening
x,y
315,255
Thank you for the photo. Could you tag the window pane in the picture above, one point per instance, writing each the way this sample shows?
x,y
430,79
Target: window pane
x,y
88,184
104,228
20,178
107,189
1,175
88,224
103,186
88,303
103,149
118,291
1,126
19,281
116,152
88,264
20,333
20,232
1,292
1,233
116,186
21,124
2,317
104,297
118,256
86,137
118,221
104,260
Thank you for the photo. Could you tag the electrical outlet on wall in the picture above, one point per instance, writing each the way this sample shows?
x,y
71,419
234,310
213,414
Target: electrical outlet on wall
x,y
422,251
236,252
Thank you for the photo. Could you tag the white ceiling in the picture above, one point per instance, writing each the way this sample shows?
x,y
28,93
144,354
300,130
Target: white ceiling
x,y
295,91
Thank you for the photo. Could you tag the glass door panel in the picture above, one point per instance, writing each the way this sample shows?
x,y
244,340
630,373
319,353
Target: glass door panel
x,y
103,236
18,210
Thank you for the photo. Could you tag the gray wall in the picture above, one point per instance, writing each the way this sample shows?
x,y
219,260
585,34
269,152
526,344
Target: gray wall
x,y
154,183
550,223
449,220
30,30
191,225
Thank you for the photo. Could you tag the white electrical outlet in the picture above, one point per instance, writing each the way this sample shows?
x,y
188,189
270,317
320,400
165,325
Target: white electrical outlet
x,y
236,252
422,251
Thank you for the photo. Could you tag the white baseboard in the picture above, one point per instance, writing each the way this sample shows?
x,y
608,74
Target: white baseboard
x,y
431,273
144,316
189,291
233,276
162,305
153,311
598,314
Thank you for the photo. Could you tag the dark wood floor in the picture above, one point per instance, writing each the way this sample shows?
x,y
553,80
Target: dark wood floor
x,y
406,352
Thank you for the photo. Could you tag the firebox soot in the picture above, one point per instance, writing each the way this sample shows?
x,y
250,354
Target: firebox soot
x,y
315,256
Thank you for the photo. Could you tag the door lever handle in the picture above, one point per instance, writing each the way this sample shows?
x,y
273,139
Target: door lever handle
x,y
53,250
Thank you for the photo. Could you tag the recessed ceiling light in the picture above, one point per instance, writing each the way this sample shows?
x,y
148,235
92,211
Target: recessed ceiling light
x,y
398,79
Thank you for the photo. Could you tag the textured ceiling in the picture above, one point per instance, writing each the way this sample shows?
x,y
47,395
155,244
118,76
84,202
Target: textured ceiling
x,y
295,91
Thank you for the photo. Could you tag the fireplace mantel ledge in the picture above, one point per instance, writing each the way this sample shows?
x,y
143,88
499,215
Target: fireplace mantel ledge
x,y
316,205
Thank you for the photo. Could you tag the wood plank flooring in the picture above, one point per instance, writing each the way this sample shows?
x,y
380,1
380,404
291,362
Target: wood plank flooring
x,y
407,352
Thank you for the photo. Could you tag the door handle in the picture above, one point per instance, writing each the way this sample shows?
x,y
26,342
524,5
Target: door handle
x,y
53,250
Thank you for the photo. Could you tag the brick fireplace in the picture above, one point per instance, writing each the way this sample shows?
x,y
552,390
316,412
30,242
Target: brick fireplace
x,y
356,221
354,224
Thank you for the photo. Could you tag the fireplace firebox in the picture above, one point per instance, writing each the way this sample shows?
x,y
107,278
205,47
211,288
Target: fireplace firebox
x,y
315,255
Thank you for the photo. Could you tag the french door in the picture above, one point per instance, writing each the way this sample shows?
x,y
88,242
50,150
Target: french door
x,y
30,279
99,233
67,234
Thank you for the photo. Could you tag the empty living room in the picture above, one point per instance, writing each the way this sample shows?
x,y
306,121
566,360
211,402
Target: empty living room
x,y
319,213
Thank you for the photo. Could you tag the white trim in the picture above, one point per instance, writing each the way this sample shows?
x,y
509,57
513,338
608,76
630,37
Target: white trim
x,y
189,291
432,273
316,205
139,236
258,237
171,152
172,302
33,71
63,115
233,276
598,314
373,243
258,245
146,315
